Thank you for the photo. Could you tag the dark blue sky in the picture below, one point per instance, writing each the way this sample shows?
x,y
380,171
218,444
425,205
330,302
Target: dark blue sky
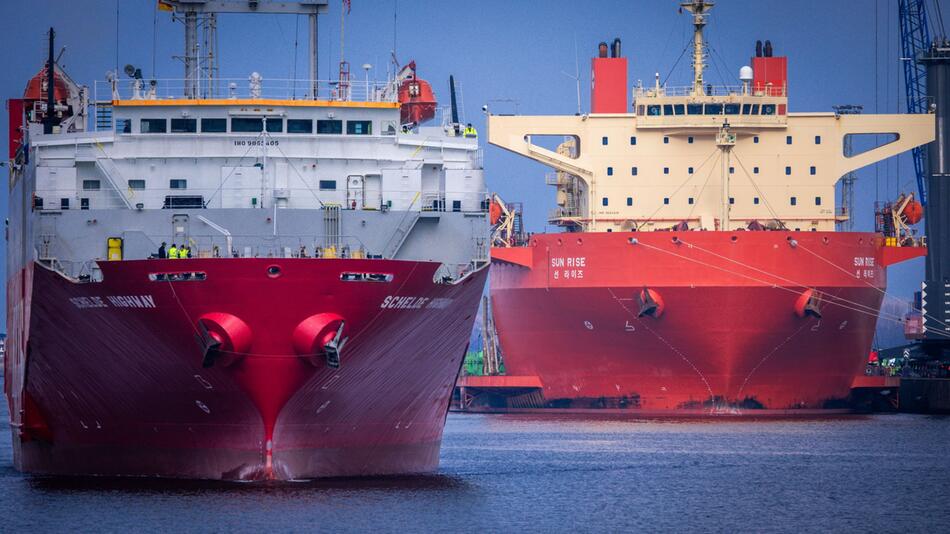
x,y
840,52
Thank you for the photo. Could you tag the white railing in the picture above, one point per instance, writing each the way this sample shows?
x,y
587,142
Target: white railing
x,y
246,88
711,90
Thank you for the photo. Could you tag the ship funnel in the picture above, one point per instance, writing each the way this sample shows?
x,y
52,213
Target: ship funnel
x,y
615,48
758,49
768,48
602,49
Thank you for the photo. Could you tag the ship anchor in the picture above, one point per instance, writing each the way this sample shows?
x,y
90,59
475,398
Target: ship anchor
x,y
334,347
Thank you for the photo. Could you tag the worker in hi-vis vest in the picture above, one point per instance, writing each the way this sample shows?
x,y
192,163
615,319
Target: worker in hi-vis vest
x,y
470,131
183,252
173,252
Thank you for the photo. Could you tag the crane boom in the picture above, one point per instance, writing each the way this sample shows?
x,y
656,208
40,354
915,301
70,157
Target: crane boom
x,y
915,38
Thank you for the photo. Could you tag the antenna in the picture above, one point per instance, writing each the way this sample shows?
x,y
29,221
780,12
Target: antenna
x,y
699,9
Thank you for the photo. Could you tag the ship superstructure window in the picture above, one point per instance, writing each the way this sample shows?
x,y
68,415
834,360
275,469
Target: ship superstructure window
x,y
690,200
746,109
136,184
604,201
788,171
153,126
329,127
694,109
633,139
359,127
732,200
812,170
64,203
755,139
275,124
666,140
184,125
247,124
630,201
178,183
610,171
666,170
91,185
768,109
732,170
214,125
689,139
755,170
668,109
633,171
689,170
653,110
793,201
123,126
788,139
299,126
603,140
184,201
680,109
732,109
817,139
327,185
713,109
83,203
818,201
666,200
755,201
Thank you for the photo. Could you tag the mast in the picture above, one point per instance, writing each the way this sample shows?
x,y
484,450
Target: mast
x,y
698,8
50,87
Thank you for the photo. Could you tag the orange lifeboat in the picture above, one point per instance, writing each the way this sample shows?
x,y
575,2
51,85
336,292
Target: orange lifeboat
x,y
415,96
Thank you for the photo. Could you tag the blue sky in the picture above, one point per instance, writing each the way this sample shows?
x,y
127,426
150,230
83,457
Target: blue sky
x,y
510,54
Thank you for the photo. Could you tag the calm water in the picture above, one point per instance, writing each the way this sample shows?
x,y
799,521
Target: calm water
x,y
506,473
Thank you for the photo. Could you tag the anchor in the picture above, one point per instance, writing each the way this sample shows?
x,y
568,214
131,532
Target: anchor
x,y
334,347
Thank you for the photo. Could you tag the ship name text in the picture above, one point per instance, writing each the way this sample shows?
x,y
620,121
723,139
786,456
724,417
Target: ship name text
x,y
392,302
568,268
114,301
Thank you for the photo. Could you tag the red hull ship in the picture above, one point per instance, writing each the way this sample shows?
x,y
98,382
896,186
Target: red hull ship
x,y
700,269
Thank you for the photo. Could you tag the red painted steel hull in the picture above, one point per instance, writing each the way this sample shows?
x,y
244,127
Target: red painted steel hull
x,y
120,389
730,334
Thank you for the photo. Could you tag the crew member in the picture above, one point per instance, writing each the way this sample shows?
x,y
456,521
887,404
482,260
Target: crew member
x,y
470,131
184,252
173,252
161,252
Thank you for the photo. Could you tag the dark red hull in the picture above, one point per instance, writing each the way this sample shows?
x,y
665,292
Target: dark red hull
x,y
119,389
731,332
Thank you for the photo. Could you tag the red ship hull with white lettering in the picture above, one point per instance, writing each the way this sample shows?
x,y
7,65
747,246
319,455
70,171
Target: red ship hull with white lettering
x,y
691,321
220,368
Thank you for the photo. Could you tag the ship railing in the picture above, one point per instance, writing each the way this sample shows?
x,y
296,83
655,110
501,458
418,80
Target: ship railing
x,y
711,90
245,88
560,213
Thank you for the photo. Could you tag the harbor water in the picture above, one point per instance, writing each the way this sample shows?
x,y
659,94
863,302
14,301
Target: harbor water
x,y
884,473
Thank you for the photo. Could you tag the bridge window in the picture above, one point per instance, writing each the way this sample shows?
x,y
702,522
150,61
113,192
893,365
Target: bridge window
x,y
604,201
178,183
713,109
329,127
793,201
633,171
184,125
732,109
136,184
275,124
668,109
300,126
679,109
630,201
818,201
214,125
746,109
812,170
694,109
788,171
247,124
768,109
153,126
603,140
653,110
327,185
610,171
123,126
633,139
91,185
359,127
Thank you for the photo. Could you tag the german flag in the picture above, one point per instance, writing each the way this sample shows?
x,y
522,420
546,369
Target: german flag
x,y
165,5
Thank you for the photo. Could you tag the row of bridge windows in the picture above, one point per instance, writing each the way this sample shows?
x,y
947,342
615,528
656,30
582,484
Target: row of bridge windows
x,y
251,125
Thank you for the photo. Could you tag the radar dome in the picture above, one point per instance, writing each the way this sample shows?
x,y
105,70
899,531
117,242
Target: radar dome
x,y
745,74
